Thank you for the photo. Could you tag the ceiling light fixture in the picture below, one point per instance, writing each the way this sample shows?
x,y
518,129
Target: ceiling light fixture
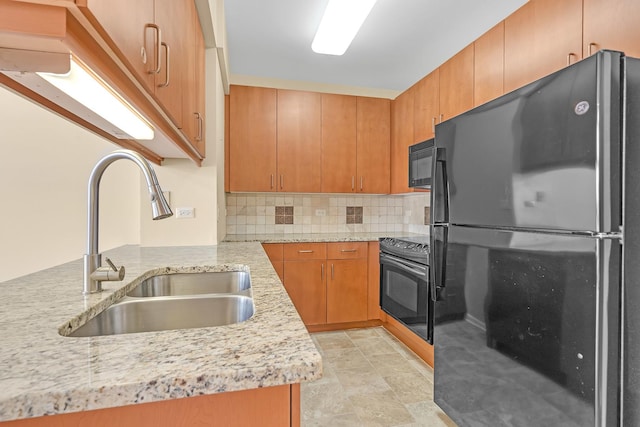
x,y
340,23
83,85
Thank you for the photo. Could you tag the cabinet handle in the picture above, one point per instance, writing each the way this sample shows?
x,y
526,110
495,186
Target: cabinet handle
x,y
321,271
200,126
569,58
168,65
353,183
362,183
591,46
281,182
441,117
156,47
332,271
271,181
306,251
348,250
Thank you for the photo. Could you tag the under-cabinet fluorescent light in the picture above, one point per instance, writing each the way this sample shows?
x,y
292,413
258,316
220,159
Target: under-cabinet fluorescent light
x,y
81,84
341,21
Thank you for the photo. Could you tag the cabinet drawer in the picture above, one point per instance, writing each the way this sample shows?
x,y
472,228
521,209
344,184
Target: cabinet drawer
x,y
274,251
346,250
297,251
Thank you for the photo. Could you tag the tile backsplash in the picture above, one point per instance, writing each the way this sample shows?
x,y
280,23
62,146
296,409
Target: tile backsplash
x,y
258,213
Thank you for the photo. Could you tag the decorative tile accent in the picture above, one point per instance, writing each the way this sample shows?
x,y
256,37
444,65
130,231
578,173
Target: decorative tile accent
x,y
354,214
427,215
284,215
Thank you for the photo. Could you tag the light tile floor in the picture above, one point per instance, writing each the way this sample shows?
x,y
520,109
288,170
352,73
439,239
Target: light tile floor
x,y
370,379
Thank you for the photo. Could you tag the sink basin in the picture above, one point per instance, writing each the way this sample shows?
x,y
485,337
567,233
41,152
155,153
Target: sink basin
x,y
217,282
166,313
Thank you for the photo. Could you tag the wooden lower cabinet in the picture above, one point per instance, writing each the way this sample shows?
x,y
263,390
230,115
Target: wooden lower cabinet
x,y
305,282
347,288
266,407
276,256
327,282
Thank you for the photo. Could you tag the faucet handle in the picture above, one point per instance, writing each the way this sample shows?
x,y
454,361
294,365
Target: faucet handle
x,y
111,264
111,273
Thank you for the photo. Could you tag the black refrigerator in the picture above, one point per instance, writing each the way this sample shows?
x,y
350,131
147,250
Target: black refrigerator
x,y
535,252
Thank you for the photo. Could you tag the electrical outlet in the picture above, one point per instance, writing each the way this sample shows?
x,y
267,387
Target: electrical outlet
x,y
185,212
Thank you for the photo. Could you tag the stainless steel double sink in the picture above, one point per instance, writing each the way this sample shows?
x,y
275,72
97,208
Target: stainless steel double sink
x,y
176,301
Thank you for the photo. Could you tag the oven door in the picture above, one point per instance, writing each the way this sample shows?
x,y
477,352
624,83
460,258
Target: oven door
x,y
404,294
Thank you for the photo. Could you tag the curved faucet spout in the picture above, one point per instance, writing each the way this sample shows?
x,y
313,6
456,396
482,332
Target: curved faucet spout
x,y
93,274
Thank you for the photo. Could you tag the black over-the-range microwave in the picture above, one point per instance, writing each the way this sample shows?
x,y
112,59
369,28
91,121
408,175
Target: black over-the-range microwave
x,y
420,163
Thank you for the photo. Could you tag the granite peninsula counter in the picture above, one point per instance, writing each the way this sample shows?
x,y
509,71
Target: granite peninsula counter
x,y
44,373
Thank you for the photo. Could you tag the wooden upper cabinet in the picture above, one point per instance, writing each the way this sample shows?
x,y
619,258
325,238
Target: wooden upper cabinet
x,y
252,139
373,145
338,143
299,141
193,99
611,24
456,84
132,33
426,106
401,138
540,38
489,65
173,18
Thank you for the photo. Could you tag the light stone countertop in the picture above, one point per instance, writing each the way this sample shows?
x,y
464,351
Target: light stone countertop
x,y
44,373
315,237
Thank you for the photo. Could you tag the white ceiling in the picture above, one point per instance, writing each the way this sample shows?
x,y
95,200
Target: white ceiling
x,y
400,42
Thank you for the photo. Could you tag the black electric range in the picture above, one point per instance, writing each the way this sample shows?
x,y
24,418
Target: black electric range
x,y
404,283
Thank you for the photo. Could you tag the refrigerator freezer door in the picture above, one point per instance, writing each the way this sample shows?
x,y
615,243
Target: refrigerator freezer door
x,y
526,330
631,292
546,156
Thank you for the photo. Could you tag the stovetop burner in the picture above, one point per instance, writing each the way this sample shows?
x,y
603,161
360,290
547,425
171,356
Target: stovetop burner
x,y
414,248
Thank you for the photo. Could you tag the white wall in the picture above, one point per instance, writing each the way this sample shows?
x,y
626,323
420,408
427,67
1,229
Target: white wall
x,y
44,169
191,186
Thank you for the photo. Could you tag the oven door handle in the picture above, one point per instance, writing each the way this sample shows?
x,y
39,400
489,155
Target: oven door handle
x,y
405,265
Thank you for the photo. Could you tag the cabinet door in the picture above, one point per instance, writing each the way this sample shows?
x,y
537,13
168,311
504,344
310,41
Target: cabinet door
x,y
347,290
173,18
426,107
373,280
401,138
305,282
193,101
252,139
611,24
338,143
540,38
489,65
130,33
299,141
373,145
456,84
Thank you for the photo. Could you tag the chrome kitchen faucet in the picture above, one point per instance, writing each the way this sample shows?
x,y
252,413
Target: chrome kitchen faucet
x,y
94,273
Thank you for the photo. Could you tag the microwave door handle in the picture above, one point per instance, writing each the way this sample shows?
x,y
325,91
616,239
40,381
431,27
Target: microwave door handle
x,y
404,265
438,261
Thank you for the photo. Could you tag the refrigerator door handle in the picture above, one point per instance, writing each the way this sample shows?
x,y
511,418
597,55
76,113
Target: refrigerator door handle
x,y
440,199
438,261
